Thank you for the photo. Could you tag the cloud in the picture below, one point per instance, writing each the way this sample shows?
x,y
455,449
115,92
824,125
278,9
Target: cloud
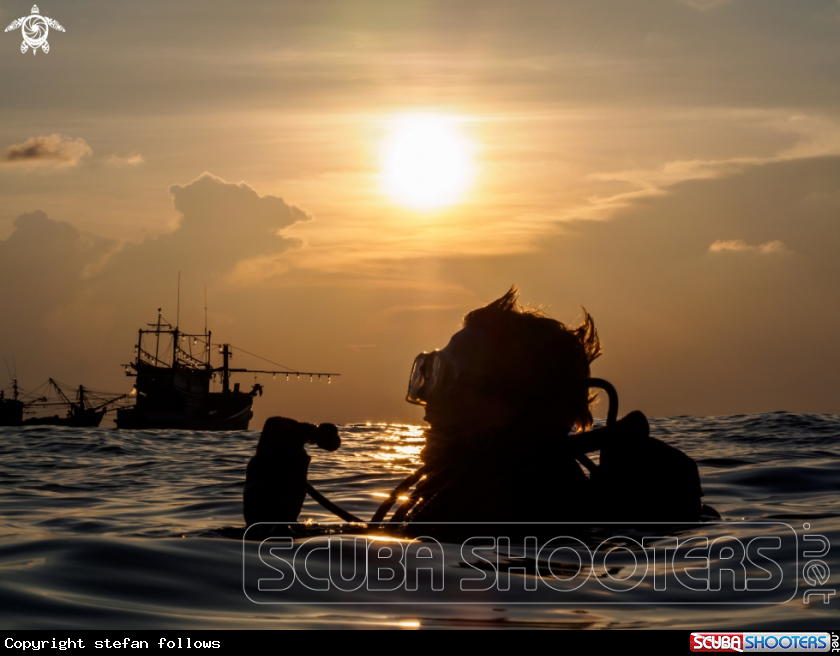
x,y
739,245
814,137
131,159
213,198
54,150
227,235
53,276
227,222
256,269
44,265
41,243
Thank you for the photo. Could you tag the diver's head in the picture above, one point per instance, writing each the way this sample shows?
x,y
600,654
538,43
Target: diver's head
x,y
506,364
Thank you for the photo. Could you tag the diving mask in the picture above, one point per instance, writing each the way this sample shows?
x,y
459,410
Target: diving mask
x,y
432,374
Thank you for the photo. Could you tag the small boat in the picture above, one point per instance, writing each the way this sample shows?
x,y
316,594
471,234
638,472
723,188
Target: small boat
x,y
173,384
11,410
86,411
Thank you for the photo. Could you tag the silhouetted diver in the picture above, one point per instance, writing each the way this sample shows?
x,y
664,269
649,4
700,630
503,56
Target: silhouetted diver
x,y
501,399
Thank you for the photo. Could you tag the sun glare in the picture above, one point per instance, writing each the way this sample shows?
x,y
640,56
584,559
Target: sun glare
x,y
427,162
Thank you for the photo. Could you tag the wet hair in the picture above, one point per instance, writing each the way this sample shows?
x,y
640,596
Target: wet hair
x,y
539,363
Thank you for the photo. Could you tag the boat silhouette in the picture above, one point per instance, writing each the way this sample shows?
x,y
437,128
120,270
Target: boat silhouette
x,y
173,386
11,409
86,411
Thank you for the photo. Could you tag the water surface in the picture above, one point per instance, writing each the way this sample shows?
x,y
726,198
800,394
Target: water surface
x,y
109,528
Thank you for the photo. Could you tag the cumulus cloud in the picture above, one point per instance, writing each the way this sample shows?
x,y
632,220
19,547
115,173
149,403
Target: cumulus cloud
x,y
739,245
227,233
43,267
228,222
211,200
54,151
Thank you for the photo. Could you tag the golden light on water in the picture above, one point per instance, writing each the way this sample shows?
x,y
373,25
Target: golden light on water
x,y
427,162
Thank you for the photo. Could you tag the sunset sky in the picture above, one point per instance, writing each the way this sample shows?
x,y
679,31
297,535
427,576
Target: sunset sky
x,y
349,178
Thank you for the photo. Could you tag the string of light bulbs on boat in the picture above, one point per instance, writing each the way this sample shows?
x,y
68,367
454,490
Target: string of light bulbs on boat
x,y
290,372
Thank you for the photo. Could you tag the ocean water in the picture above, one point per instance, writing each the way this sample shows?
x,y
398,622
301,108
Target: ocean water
x,y
102,528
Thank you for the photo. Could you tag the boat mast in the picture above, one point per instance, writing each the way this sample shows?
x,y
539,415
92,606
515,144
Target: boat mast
x,y
175,347
13,377
157,342
225,369
177,323
62,395
206,332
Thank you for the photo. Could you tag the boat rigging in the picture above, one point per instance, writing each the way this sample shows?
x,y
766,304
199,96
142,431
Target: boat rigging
x,y
85,411
173,384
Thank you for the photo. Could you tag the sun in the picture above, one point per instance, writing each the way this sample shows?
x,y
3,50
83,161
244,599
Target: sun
x,y
427,162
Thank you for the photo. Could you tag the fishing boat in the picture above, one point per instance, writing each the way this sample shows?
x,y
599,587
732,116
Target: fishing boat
x,y
11,409
173,386
86,411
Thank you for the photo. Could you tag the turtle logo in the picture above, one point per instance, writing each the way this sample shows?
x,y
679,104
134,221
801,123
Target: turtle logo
x,y
35,29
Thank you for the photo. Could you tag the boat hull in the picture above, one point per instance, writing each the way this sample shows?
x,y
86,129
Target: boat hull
x,y
90,419
232,413
11,412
